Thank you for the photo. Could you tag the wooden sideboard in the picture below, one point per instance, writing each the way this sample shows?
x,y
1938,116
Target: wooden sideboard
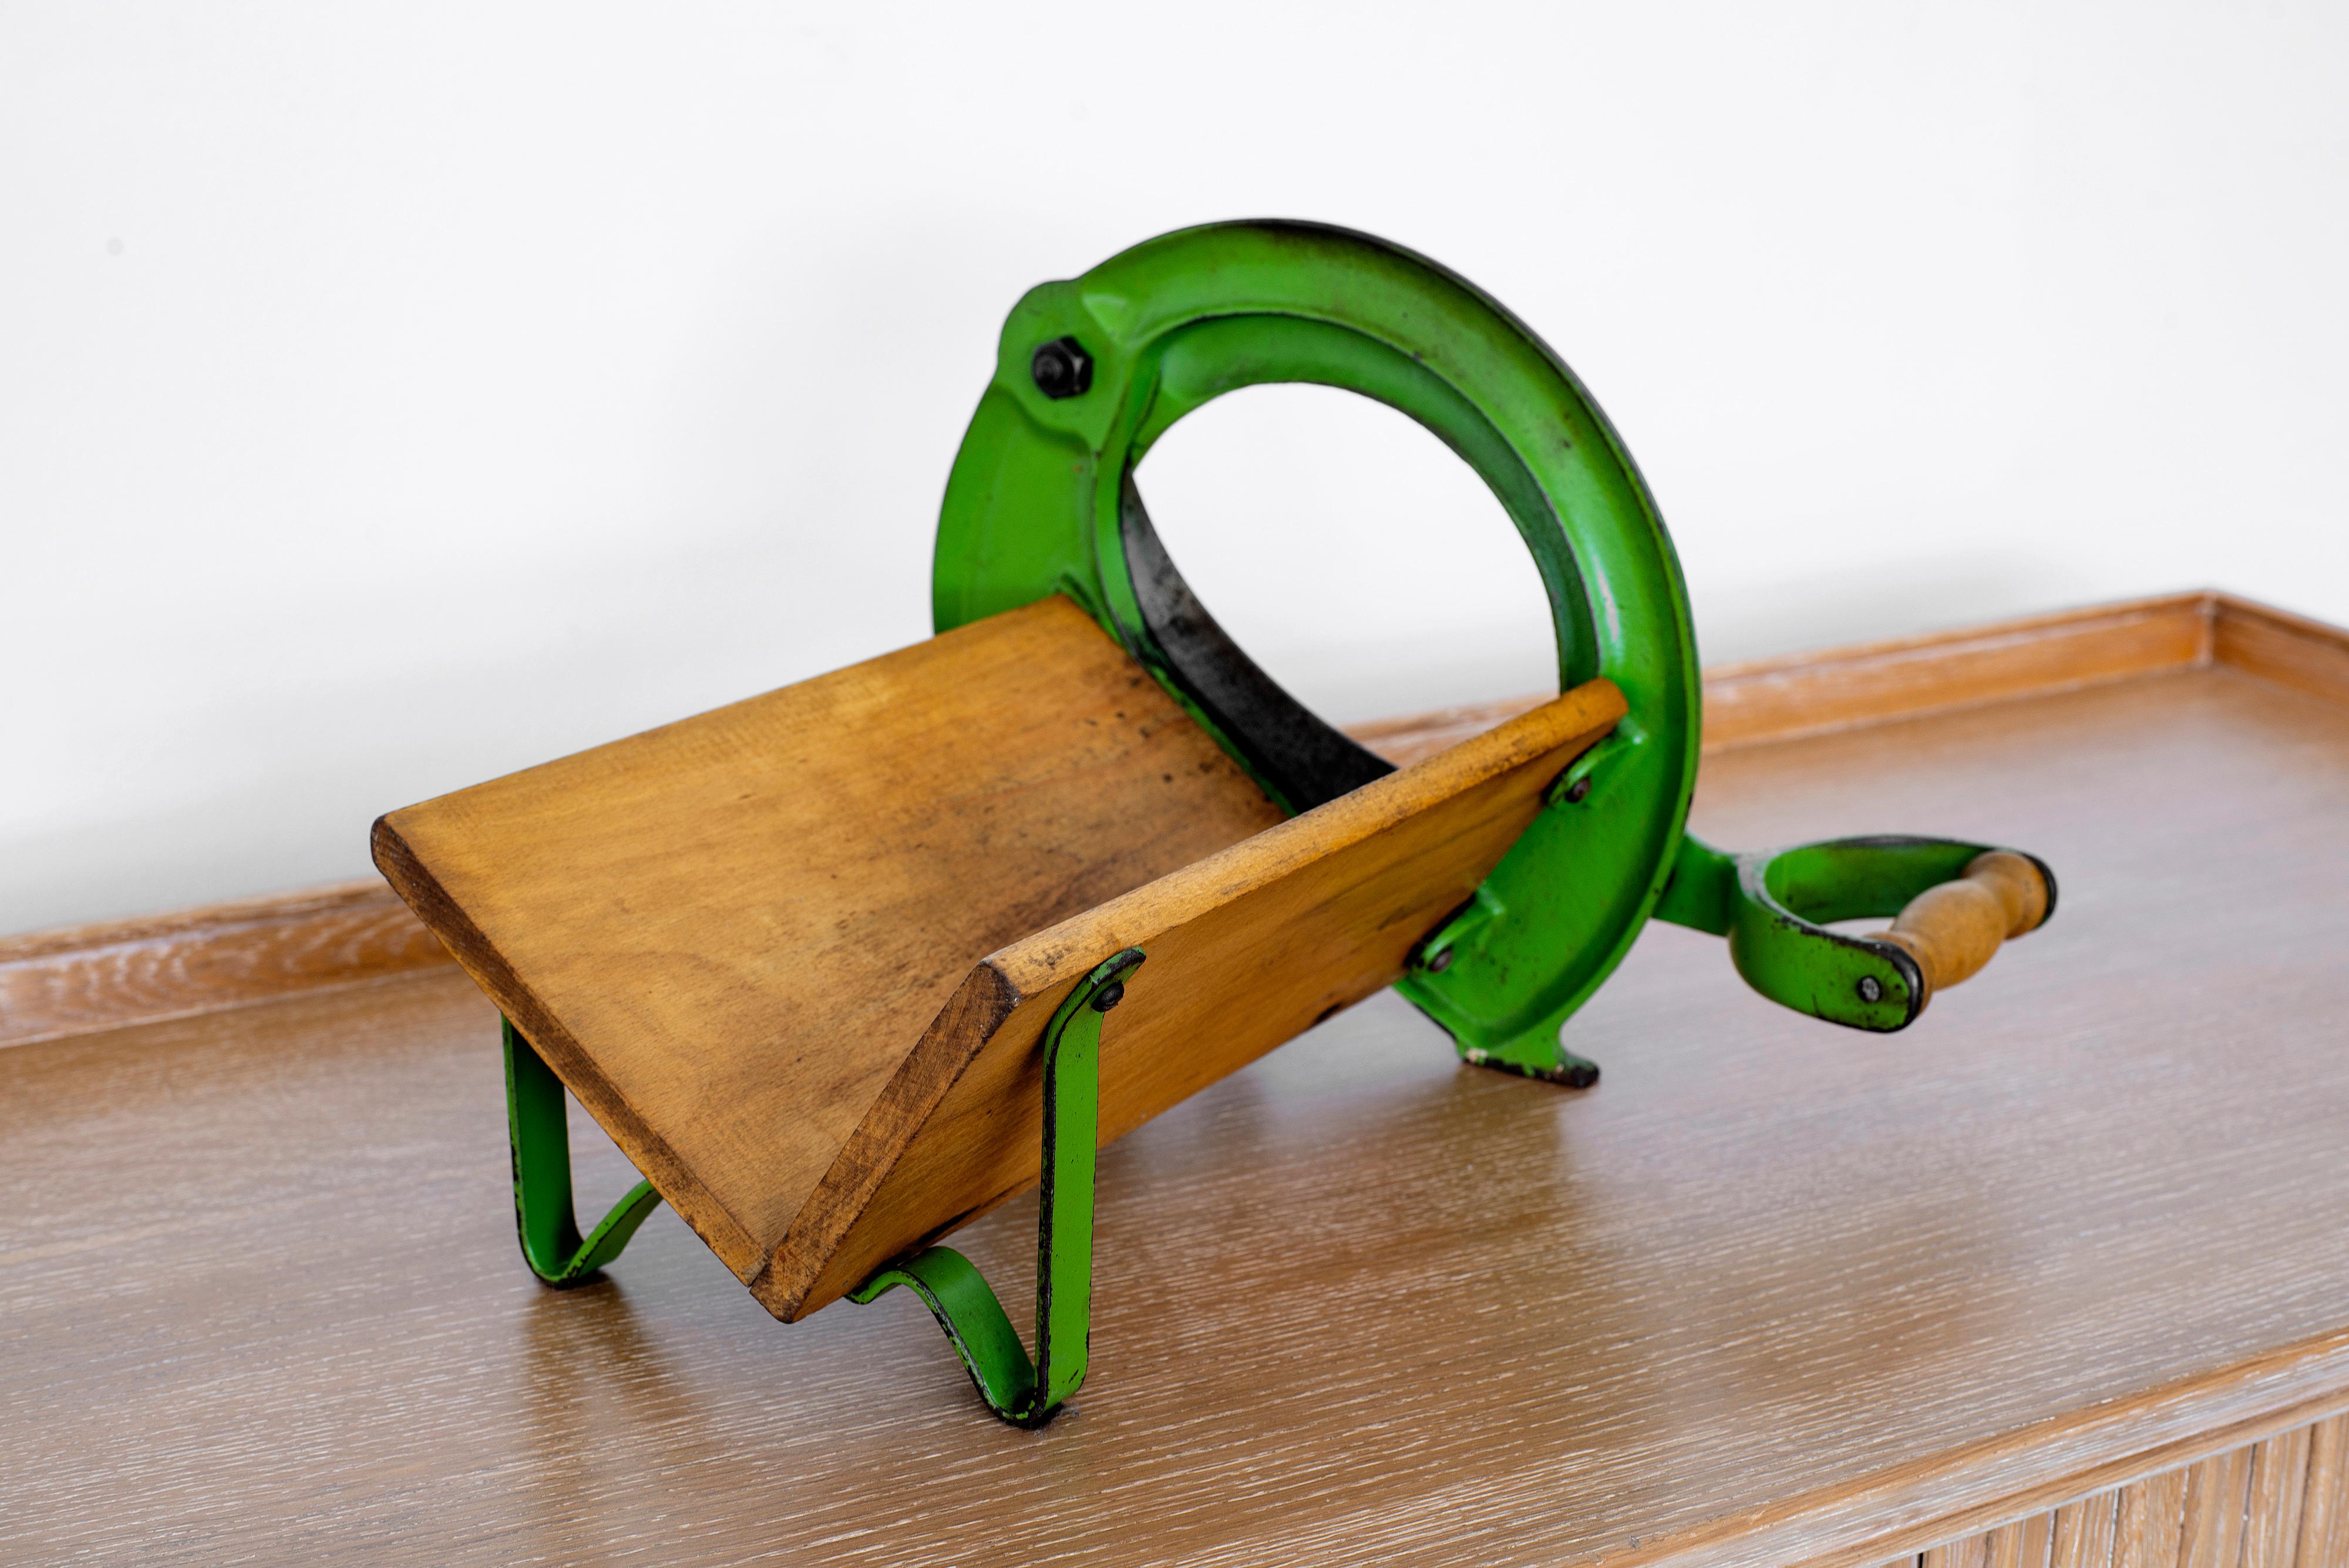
x,y
2058,1277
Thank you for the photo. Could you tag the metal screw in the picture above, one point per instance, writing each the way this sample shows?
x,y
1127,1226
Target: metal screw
x,y
1438,962
1870,990
1578,791
1061,368
1109,996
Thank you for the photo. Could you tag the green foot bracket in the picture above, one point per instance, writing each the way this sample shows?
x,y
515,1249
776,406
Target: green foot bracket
x,y
541,1136
1021,1392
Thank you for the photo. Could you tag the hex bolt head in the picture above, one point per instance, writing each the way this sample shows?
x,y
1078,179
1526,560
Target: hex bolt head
x,y
1440,960
1870,988
1109,996
1578,791
1061,368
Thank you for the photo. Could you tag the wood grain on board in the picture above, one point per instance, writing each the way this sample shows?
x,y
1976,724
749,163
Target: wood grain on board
x,y
1953,929
1246,949
796,955
728,934
1771,1292
109,975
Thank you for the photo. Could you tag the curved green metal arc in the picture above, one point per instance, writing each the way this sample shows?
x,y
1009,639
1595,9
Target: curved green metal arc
x,y
1032,507
1193,364
967,1310
1198,363
539,1133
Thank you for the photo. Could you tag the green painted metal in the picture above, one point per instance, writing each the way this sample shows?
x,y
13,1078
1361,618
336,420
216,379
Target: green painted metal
x,y
1022,1392
1090,373
540,1133
1533,903
1031,508
1774,905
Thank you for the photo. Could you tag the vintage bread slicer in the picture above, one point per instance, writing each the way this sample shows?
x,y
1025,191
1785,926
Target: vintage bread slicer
x,y
835,966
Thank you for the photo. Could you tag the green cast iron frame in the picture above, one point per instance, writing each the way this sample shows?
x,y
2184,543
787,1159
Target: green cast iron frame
x,y
1041,501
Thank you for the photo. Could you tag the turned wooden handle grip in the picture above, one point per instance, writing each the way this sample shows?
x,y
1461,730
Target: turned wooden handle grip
x,y
1953,930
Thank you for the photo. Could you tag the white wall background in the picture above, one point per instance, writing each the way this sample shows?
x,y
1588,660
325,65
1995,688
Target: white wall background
x,y
394,395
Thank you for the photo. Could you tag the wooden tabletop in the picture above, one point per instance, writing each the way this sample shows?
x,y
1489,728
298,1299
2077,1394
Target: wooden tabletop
x,y
1772,1291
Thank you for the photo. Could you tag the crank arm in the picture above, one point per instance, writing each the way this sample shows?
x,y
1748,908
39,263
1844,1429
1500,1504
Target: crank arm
x,y
1955,903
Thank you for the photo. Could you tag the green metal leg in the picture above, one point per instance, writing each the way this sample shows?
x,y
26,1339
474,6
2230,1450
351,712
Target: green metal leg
x,y
1533,1052
541,1136
1022,1392
1538,1055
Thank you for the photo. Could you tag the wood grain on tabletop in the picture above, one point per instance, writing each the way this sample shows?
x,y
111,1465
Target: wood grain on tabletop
x,y
1771,1292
